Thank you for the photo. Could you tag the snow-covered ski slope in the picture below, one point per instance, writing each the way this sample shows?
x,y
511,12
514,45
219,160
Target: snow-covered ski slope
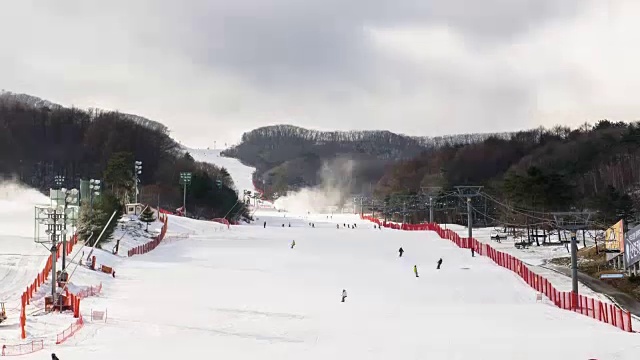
x,y
240,173
20,257
245,294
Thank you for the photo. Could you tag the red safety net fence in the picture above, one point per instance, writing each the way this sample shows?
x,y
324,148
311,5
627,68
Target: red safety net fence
x,y
222,221
22,349
145,248
90,291
70,331
604,312
39,280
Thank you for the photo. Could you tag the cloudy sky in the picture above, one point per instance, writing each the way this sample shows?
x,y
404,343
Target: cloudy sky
x,y
211,70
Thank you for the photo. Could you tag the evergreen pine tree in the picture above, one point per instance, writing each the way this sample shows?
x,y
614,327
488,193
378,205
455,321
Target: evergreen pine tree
x,y
147,216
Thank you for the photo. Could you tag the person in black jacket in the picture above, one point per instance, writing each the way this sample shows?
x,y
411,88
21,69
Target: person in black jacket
x,y
54,357
401,251
439,263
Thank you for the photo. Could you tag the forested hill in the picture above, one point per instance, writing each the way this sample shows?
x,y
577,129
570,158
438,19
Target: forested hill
x,y
40,140
287,156
594,167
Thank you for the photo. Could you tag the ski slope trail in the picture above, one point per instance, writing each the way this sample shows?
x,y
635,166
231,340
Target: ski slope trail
x,y
241,174
20,257
245,293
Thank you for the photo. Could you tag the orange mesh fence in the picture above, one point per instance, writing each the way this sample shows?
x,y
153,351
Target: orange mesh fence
x,y
70,331
598,310
22,349
145,248
40,279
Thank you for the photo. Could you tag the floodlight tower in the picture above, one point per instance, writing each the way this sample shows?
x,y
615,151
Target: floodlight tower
x,y
94,190
70,197
137,170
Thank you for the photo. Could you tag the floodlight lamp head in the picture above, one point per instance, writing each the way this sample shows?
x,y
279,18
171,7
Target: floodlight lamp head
x,y
50,210
64,190
74,192
138,163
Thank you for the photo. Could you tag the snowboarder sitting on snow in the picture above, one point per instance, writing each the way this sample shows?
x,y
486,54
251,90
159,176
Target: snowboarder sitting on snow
x,y
344,294
401,251
439,263
415,270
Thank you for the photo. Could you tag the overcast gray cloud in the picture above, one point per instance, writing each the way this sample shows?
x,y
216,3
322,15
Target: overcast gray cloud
x,y
213,69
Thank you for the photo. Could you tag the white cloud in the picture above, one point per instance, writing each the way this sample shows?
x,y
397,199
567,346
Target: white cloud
x,y
211,70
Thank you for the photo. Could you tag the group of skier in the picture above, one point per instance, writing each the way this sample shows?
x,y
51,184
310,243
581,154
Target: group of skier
x,y
401,251
415,267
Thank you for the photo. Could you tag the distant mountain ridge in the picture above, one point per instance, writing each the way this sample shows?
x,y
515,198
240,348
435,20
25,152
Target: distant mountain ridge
x,y
9,97
291,156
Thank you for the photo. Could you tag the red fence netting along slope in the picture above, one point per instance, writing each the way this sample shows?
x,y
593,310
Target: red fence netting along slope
x,y
22,349
607,313
145,248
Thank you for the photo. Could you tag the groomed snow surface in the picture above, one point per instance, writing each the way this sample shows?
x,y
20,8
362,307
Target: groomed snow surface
x,y
245,294
240,173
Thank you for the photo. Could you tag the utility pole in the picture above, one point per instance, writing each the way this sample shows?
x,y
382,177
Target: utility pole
x,y
431,191
51,218
469,192
404,212
573,221
430,209
54,256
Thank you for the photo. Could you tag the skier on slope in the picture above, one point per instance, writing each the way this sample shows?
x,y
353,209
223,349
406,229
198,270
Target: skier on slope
x,y
439,263
265,225
54,357
344,294
473,252
401,251
293,243
415,270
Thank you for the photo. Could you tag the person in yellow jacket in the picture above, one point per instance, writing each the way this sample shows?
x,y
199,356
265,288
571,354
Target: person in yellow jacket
x,y
415,270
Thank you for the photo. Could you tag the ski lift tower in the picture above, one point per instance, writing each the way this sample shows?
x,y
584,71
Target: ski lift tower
x,y
469,192
573,221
